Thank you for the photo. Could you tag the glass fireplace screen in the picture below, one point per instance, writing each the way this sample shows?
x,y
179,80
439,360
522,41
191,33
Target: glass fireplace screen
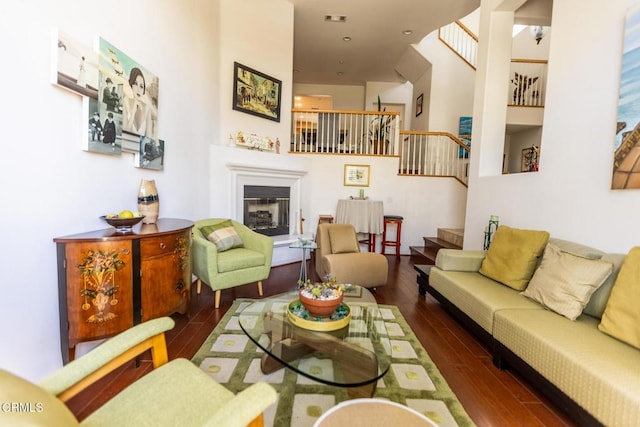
x,y
266,209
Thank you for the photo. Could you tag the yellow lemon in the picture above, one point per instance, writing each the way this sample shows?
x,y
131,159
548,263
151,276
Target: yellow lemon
x,y
125,214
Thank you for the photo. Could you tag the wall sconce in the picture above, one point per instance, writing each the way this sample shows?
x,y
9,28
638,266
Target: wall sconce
x,y
538,32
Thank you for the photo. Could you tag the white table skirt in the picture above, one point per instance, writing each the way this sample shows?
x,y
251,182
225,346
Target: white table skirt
x,y
366,216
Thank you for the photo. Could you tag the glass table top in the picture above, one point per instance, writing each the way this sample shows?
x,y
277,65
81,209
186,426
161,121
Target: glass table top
x,y
352,352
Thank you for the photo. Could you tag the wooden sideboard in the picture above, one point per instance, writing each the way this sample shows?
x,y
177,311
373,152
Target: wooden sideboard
x,y
109,281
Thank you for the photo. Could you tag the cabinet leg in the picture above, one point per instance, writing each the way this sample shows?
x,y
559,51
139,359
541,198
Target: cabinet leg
x,y
198,286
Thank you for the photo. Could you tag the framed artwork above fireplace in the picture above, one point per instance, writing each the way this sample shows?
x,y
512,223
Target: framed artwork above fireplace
x,y
256,93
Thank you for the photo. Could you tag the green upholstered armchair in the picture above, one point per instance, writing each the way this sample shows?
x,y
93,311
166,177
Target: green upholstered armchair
x,y
175,393
233,267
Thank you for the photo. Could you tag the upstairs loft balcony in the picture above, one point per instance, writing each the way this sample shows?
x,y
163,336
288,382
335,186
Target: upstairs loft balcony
x,y
373,133
346,132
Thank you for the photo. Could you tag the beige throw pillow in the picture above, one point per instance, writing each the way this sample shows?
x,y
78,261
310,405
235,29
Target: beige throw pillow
x,y
564,282
621,317
343,240
224,235
513,255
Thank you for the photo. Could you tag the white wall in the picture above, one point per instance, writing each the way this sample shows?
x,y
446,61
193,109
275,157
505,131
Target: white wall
x,y
425,203
451,86
422,86
389,93
259,35
571,195
50,187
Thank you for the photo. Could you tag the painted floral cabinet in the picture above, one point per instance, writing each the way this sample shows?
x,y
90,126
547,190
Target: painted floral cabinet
x,y
109,281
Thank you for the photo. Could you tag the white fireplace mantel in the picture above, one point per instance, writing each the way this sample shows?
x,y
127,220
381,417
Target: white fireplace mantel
x,y
244,174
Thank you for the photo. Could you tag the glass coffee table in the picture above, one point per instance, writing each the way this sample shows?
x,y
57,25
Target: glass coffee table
x,y
350,350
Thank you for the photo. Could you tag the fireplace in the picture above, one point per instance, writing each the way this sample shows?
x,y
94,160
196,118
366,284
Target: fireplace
x,y
266,209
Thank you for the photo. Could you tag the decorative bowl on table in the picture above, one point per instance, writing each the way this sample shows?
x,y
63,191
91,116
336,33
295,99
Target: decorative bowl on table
x,y
299,316
122,225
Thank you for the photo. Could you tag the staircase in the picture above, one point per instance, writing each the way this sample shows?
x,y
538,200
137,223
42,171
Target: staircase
x,y
449,238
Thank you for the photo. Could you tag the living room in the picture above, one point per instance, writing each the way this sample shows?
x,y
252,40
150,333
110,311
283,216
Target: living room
x,y
63,190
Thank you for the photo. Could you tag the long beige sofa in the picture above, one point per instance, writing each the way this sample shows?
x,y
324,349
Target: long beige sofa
x,y
593,376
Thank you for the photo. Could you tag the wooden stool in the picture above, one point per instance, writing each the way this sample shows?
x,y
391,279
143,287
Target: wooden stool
x,y
397,221
328,219
370,241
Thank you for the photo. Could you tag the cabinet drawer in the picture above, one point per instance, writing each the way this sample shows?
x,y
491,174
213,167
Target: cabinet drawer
x,y
158,246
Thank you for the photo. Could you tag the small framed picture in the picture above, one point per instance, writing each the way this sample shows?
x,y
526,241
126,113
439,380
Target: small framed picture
x,y
256,93
419,104
356,175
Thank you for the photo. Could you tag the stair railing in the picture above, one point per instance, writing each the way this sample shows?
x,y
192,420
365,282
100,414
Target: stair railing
x,y
433,154
461,41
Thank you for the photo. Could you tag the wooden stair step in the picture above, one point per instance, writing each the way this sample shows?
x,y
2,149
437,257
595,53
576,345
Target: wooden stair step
x,y
427,254
436,242
423,255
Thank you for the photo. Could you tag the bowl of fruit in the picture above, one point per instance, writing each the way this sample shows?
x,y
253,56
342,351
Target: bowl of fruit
x,y
123,221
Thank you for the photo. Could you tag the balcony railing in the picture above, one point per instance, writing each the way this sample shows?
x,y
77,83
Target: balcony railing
x,y
528,83
345,132
433,154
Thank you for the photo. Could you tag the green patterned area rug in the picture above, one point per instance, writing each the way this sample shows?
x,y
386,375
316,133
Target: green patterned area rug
x,y
233,360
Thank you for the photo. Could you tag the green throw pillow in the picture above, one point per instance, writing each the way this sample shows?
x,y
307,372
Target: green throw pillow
x,y
621,317
223,235
513,256
565,282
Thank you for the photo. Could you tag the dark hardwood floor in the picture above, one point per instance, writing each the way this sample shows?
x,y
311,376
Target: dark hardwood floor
x,y
490,396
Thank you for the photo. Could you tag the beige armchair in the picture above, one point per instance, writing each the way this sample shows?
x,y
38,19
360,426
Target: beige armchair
x,y
175,393
338,255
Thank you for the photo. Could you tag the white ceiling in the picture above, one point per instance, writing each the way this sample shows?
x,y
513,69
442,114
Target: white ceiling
x,y
377,40
378,45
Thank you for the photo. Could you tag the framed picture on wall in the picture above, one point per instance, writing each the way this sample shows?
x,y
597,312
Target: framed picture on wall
x,y
256,93
419,104
356,175
529,159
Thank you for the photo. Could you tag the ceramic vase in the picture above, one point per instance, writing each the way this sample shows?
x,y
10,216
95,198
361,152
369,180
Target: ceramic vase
x,y
148,202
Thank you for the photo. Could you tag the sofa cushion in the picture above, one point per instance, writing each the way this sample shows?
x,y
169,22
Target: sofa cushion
x,y
223,235
621,317
564,282
598,300
477,296
343,241
513,256
239,259
598,372
460,260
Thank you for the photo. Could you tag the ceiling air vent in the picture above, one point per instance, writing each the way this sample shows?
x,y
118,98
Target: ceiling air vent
x,y
335,18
